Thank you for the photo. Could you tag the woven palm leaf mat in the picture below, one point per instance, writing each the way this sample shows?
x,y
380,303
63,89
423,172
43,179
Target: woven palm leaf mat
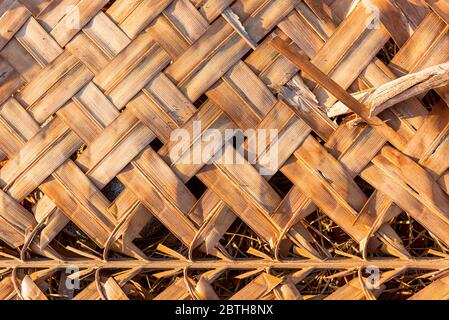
x,y
95,206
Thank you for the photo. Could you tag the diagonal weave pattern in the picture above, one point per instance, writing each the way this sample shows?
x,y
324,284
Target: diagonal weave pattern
x,y
89,87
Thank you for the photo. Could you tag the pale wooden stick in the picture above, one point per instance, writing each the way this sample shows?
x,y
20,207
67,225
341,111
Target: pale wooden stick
x,y
408,86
